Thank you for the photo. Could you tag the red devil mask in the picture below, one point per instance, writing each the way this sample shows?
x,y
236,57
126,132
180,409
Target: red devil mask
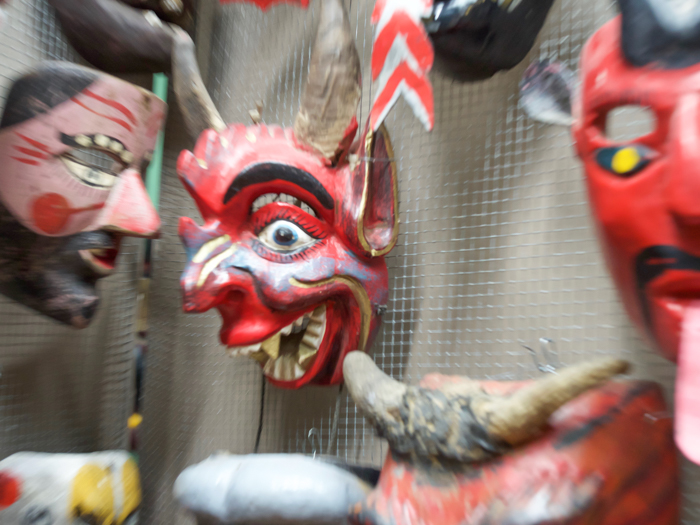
x,y
533,453
645,193
299,279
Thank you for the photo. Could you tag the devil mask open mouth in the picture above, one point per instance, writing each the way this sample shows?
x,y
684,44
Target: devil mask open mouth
x,y
296,222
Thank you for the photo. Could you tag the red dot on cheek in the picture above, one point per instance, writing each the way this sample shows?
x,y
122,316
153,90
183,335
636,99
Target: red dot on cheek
x,y
10,490
50,212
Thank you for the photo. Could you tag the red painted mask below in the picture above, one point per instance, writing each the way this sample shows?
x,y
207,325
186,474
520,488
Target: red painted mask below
x,y
645,192
606,457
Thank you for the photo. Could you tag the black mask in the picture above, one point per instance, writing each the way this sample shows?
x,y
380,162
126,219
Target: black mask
x,y
474,39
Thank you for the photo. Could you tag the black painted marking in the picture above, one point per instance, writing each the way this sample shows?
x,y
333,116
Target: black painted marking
x,y
270,171
653,262
43,89
591,426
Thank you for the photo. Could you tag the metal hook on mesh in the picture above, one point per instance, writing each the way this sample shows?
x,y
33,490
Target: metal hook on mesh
x,y
548,351
334,427
315,441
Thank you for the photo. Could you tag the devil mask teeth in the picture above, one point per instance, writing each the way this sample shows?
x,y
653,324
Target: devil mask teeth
x,y
288,354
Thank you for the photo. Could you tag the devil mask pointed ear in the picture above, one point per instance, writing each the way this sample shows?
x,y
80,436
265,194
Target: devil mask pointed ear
x,y
372,224
655,31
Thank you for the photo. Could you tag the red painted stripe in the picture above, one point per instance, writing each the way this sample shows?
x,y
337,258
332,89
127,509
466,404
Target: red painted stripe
x,y
35,143
31,152
87,208
416,39
122,123
26,161
379,6
112,103
418,84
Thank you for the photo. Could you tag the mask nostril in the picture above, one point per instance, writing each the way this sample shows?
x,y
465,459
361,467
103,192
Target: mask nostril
x,y
234,296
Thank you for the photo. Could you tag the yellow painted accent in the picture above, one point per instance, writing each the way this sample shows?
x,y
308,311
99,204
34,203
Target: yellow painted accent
x,y
213,263
132,490
625,160
92,494
360,295
134,421
271,346
208,247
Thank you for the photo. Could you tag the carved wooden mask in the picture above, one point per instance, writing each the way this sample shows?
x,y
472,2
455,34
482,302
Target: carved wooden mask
x,y
299,279
531,453
74,143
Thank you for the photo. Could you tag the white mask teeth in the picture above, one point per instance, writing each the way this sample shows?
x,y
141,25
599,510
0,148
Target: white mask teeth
x,y
284,368
83,140
102,140
271,346
244,350
290,366
305,355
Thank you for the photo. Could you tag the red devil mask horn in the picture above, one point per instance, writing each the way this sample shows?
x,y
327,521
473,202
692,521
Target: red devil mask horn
x,y
196,105
473,423
326,122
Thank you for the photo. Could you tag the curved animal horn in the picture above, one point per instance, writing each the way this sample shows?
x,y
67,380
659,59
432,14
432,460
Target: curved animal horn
x,y
521,416
333,89
198,110
375,393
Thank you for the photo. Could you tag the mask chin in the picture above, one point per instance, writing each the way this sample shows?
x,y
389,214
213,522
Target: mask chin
x,y
47,274
61,296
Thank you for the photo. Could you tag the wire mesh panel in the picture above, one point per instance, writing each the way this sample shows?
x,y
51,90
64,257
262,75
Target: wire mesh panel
x,y
496,250
61,389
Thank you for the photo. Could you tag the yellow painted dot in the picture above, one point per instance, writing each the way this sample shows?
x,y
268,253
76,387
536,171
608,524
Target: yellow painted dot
x,y
625,160
134,420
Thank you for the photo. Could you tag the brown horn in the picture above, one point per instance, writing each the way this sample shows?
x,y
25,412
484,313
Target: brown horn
x,y
196,105
333,88
522,416
375,393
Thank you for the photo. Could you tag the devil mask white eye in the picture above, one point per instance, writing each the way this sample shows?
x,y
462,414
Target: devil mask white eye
x,y
285,236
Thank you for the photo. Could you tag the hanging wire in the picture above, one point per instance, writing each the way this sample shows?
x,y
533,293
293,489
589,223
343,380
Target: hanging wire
x,y
262,414
334,426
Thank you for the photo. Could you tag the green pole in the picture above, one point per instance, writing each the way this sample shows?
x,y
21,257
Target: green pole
x,y
153,174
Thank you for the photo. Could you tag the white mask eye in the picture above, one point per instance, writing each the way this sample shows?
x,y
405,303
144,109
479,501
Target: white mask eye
x,y
285,236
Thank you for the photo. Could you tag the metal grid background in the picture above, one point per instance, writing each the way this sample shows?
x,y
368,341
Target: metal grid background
x,y
62,390
496,250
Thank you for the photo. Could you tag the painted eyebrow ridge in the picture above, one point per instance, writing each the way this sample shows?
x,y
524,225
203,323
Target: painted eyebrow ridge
x,y
269,171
